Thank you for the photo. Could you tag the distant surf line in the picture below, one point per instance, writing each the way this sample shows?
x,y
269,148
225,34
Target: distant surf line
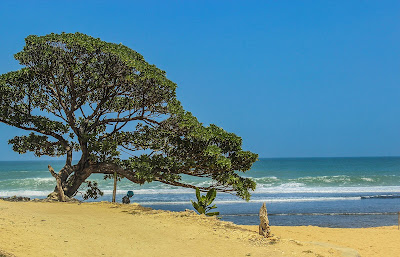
x,y
278,200
315,214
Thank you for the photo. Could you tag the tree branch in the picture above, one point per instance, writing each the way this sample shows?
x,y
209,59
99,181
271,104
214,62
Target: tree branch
x,y
61,194
48,133
204,189
110,168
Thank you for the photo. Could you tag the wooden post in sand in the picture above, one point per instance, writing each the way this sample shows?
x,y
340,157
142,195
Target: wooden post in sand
x,y
398,226
115,187
263,228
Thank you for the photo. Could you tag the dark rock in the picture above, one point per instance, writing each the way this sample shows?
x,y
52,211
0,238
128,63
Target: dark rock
x,y
16,199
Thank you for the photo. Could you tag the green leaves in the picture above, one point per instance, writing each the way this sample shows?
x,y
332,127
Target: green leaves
x,y
201,151
203,203
79,93
92,190
39,145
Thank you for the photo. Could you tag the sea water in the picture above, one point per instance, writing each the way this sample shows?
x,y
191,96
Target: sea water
x,y
298,191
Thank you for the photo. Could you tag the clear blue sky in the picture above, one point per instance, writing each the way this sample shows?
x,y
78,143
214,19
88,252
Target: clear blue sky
x,y
292,78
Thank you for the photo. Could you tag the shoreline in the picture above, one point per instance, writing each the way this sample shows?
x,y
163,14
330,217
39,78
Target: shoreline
x,y
107,229
246,213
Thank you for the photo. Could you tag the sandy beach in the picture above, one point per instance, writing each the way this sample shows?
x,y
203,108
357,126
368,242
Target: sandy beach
x,y
106,229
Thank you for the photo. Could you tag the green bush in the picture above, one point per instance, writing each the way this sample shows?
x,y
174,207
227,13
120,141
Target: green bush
x,y
203,203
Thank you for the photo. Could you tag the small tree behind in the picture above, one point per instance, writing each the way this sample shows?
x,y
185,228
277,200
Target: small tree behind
x,y
203,203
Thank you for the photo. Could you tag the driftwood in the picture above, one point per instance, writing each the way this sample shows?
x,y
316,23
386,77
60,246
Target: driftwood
x,y
264,229
61,194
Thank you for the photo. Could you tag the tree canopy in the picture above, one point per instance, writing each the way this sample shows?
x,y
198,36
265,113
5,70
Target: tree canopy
x,y
95,101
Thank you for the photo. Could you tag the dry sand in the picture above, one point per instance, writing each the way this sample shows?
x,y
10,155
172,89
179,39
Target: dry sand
x,y
105,229
379,241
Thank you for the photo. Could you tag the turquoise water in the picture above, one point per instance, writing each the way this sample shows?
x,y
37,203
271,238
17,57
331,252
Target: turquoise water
x,y
320,174
298,191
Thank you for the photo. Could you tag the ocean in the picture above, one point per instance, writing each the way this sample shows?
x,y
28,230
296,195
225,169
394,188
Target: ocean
x,y
327,192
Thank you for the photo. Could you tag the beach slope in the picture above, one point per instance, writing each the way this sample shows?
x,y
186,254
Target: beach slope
x,y
106,229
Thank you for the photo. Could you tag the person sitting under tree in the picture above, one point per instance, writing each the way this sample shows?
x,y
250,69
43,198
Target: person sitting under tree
x,y
126,199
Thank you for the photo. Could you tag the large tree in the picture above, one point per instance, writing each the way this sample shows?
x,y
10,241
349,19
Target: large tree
x,y
80,96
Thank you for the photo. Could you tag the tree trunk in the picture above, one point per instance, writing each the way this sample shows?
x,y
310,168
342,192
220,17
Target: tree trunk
x,y
60,189
73,177
75,181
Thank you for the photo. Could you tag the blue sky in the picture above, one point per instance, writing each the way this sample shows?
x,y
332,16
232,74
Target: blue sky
x,y
292,78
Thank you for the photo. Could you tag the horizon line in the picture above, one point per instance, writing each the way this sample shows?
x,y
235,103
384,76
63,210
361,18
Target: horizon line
x,y
293,157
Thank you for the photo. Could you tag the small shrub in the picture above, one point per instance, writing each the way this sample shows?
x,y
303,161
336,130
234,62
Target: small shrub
x,y
92,191
203,203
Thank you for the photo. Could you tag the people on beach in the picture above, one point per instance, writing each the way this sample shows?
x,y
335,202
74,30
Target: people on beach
x,y
126,199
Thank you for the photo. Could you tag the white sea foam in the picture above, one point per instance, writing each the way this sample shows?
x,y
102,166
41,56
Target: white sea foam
x,y
290,188
367,179
267,200
26,193
305,199
30,179
153,191
282,189
326,179
33,193
264,178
